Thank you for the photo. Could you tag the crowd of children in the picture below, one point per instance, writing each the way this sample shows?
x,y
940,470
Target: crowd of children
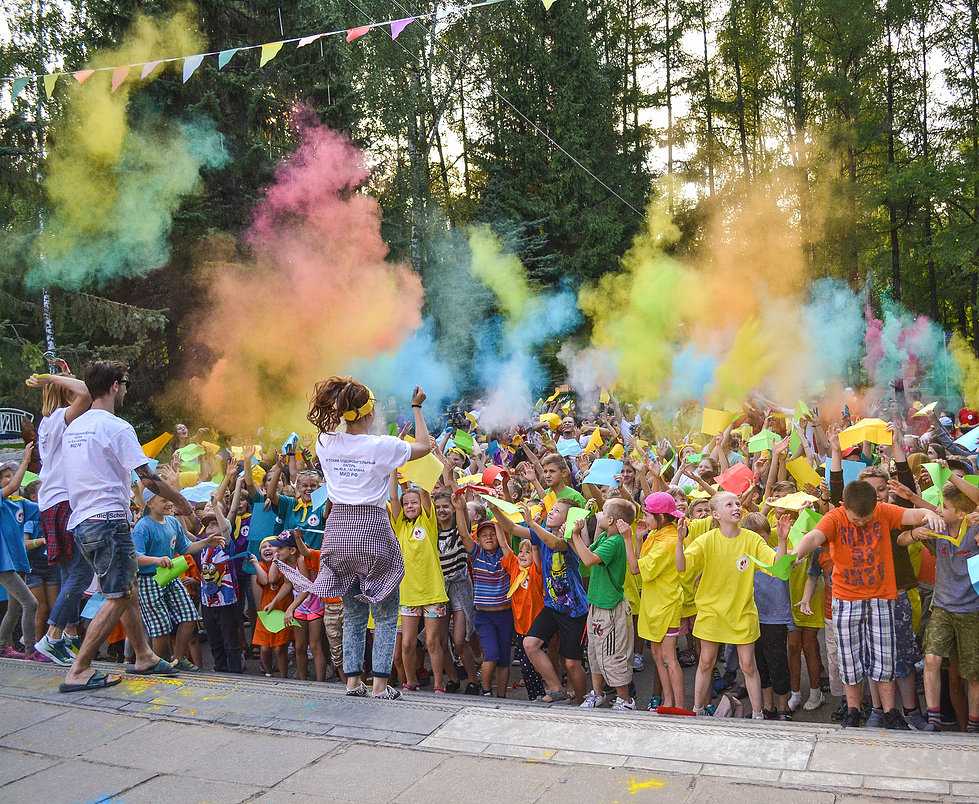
x,y
567,545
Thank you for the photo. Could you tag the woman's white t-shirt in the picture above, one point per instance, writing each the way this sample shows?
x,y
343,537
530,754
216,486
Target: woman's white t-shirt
x,y
54,484
358,467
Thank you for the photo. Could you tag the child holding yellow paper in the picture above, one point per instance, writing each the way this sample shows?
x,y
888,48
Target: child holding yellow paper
x,y
273,647
726,612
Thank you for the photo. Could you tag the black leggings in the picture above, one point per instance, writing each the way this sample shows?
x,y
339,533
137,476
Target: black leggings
x,y
531,678
223,624
772,658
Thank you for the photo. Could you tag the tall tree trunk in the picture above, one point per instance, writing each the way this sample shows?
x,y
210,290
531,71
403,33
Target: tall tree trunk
x,y
925,153
668,52
465,137
742,130
974,125
708,102
800,122
891,167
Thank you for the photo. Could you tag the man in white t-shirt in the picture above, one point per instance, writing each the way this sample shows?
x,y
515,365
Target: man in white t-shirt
x,y
99,453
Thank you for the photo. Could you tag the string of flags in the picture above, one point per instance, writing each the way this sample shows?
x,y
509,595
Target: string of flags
x,y
267,51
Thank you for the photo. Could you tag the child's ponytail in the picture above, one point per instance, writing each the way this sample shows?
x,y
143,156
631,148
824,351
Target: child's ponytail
x,y
332,398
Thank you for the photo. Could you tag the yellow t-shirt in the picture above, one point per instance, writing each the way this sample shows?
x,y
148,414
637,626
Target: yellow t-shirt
x,y
662,595
423,583
726,610
688,582
632,586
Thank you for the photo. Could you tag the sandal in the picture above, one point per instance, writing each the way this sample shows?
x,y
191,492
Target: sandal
x,y
555,696
97,681
161,668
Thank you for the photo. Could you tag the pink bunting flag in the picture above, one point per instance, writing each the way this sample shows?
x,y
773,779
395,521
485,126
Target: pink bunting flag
x,y
81,76
118,76
356,33
399,25
148,68
308,40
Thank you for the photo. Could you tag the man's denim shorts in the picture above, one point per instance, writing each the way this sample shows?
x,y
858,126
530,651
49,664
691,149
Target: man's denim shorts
x,y
107,544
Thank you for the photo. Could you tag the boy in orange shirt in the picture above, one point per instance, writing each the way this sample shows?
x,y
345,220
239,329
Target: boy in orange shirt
x,y
526,601
864,590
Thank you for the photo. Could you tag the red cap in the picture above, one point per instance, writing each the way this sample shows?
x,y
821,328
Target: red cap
x,y
491,473
968,417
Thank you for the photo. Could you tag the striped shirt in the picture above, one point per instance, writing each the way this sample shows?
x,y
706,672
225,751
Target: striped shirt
x,y
452,555
490,580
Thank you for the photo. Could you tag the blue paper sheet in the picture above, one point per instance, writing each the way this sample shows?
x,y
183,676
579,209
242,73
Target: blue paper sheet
x,y
568,447
851,471
200,493
973,564
152,463
319,497
603,472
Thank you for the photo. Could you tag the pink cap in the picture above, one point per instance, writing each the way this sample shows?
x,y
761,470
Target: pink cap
x,y
661,502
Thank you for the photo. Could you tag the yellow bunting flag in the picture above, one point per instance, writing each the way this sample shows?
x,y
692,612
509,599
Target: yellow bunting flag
x,y
548,4
153,448
50,80
269,51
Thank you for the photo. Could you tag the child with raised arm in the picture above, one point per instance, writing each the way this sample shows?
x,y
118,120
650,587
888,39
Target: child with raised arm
x,y
273,646
864,590
726,611
526,595
565,604
609,623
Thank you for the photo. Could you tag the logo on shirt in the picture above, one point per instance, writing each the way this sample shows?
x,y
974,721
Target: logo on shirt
x,y
313,520
20,516
525,584
418,534
742,563
244,531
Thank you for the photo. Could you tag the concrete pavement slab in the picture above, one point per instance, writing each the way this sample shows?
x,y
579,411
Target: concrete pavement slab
x,y
72,781
73,732
484,780
365,774
19,714
16,765
917,756
162,747
185,790
712,791
606,785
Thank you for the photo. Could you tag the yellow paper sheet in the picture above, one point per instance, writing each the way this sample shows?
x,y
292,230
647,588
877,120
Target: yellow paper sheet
x,y
802,472
793,502
926,410
616,452
549,499
594,441
153,448
715,421
872,430
470,480
423,472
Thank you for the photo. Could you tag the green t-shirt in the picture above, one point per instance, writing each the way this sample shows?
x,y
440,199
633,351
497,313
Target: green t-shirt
x,y
608,578
568,493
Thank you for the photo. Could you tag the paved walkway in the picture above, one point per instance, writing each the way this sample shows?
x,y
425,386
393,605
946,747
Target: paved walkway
x,y
215,738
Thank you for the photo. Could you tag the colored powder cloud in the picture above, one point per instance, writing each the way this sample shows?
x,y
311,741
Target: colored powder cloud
x,y
317,296
113,187
501,272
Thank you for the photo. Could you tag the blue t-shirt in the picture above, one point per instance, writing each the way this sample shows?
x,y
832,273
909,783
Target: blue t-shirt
x,y
304,518
772,600
13,553
563,590
158,539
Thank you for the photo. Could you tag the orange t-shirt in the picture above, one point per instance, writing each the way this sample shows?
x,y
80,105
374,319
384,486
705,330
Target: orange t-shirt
x,y
312,562
528,598
863,560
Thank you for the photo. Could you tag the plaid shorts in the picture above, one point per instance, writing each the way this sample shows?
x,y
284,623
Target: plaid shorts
x,y
164,607
865,639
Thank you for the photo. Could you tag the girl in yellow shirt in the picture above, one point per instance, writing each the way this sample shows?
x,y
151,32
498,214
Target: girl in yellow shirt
x,y
726,612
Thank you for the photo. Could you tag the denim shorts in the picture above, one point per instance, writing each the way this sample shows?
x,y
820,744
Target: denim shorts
x,y
107,544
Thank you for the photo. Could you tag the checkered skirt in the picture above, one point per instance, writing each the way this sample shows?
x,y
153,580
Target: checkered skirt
x,y
360,547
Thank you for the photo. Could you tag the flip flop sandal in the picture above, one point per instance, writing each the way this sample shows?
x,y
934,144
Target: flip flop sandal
x,y
555,696
161,668
98,681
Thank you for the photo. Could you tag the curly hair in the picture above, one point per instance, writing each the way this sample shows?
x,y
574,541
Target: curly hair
x,y
332,398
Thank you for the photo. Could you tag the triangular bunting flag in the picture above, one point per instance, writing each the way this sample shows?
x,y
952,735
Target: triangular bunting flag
x,y
83,75
191,63
17,87
50,80
399,25
225,56
269,51
356,33
548,4
148,68
118,76
308,40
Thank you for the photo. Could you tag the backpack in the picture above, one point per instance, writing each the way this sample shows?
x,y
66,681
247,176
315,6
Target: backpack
x,y
729,706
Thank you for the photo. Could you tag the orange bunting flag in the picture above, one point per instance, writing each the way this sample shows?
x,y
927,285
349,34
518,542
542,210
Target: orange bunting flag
x,y
356,33
119,75
81,76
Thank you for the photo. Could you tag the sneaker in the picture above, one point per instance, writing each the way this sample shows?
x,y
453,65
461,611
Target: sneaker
x,y
360,691
917,721
638,663
769,714
852,719
686,658
486,693
56,650
795,701
875,720
34,656
472,688
452,686
816,699
593,700
188,666
389,694
655,703
10,652
895,721
620,705
839,713
74,644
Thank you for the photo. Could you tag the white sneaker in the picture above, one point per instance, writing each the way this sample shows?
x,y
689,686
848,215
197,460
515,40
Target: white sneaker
x,y
795,701
623,706
57,652
591,700
816,699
